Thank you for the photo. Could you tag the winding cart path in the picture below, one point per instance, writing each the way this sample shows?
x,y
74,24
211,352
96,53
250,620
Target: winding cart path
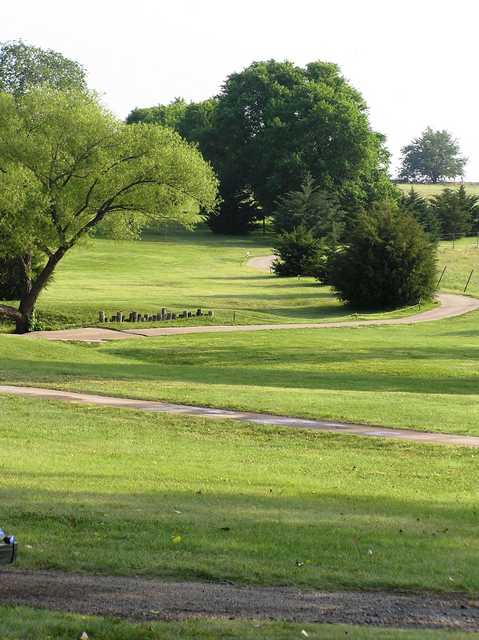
x,y
154,406
450,305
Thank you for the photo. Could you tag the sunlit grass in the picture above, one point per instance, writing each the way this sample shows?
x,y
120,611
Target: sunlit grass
x,y
30,624
420,376
123,492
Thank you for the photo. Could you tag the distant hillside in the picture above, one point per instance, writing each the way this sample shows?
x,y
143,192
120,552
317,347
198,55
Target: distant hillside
x,y
431,189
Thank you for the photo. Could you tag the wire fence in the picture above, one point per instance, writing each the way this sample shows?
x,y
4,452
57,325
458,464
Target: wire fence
x,y
467,279
453,238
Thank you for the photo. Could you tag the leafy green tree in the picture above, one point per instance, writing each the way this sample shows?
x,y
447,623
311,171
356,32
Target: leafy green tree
x,y
456,211
279,122
420,208
433,157
23,66
272,124
311,207
388,262
298,253
168,115
67,165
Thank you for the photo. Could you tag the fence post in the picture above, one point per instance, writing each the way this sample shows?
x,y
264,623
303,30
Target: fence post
x,y
468,280
441,276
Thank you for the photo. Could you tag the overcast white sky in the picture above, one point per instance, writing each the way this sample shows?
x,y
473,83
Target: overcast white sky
x,y
415,62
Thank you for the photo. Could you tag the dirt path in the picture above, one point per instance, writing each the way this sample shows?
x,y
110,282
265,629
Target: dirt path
x,y
262,263
451,305
151,599
244,416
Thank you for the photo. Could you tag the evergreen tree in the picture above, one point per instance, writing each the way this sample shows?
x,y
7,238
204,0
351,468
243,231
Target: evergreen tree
x,y
388,262
298,253
456,212
311,207
420,208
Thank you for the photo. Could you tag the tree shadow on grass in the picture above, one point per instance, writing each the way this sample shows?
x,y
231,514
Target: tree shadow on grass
x,y
330,539
194,371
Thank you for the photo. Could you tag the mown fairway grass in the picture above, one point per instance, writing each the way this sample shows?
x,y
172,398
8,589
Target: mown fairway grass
x,y
124,492
179,271
423,376
183,271
22,623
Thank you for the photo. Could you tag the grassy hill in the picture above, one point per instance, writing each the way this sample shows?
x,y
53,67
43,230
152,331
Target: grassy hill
x,y
181,271
419,376
198,269
432,189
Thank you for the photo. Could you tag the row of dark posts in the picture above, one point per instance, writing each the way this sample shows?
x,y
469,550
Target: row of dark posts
x,y
164,314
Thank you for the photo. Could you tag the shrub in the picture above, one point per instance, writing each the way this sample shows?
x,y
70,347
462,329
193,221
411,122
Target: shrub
x,y
297,253
388,262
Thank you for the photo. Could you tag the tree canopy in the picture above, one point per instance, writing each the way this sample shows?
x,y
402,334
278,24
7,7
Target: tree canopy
x,y
275,122
66,165
310,207
433,157
23,66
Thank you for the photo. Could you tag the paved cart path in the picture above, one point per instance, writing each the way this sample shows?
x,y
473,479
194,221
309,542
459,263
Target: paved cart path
x,y
244,416
152,599
450,305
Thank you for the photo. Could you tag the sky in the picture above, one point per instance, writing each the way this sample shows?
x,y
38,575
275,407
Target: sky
x,y
415,62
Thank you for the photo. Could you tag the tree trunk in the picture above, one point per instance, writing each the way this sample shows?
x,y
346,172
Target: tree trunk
x,y
23,319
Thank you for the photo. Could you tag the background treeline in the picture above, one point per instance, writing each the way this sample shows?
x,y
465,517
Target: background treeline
x,y
447,215
272,125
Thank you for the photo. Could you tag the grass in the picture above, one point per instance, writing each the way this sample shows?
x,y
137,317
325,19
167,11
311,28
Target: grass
x,y
432,189
422,376
460,259
124,492
29,624
183,271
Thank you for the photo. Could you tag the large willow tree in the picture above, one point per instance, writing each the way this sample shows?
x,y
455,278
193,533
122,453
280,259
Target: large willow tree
x,y
67,165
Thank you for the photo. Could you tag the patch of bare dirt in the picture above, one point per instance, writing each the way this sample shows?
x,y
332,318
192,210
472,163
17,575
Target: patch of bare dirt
x,y
151,599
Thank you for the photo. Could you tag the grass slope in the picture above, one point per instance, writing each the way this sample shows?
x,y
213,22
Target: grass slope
x,y
421,376
433,189
178,271
29,624
460,259
123,492
183,270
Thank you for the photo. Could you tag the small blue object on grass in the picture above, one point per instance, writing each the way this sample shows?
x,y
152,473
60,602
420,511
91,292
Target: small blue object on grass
x,y
8,548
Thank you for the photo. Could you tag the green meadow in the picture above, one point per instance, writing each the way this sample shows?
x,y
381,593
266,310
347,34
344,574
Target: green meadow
x,y
423,376
189,270
125,492
184,270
